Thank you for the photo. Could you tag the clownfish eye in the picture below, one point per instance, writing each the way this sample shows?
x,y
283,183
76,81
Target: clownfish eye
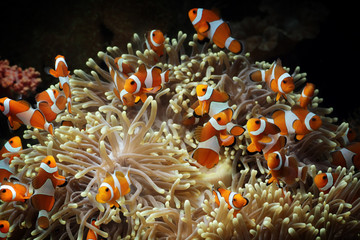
x,y
313,119
48,163
153,34
1,225
1,104
194,11
325,177
277,156
132,82
285,81
204,90
3,191
107,189
218,119
11,142
257,122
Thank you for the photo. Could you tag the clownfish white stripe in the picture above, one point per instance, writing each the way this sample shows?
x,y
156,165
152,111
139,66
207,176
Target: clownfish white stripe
x,y
116,183
218,194
12,190
104,184
307,120
345,137
11,148
348,156
4,164
212,144
207,95
63,80
198,16
51,95
3,235
46,189
215,124
228,42
262,75
149,79
26,116
122,94
216,107
48,169
152,40
286,164
290,118
214,26
273,73
43,213
329,183
6,106
231,199
280,163
58,60
261,128
137,82
55,109
281,79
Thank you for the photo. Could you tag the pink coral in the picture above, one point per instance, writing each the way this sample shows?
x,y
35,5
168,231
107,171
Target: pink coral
x,y
15,80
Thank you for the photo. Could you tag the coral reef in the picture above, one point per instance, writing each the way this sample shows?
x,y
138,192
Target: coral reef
x,y
171,198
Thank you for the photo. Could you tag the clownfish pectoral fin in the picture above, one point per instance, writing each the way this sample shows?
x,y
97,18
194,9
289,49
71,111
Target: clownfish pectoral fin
x,y
137,99
237,130
265,139
152,90
53,73
278,96
299,137
142,68
252,148
143,97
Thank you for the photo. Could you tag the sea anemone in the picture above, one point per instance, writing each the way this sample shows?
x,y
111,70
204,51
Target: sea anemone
x,y
170,195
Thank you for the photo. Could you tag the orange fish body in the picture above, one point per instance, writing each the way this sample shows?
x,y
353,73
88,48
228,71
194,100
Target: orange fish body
x,y
347,156
21,112
325,181
155,40
285,168
4,229
298,121
209,25
13,192
234,200
306,95
145,81
44,185
91,235
50,103
13,145
113,187
61,71
277,79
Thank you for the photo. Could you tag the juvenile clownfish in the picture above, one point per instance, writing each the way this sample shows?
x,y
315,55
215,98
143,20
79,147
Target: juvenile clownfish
x,y
4,229
234,200
347,156
285,168
44,185
298,121
13,192
277,79
209,25
92,235
213,135
118,78
264,136
61,71
324,181
113,187
13,145
154,40
306,95
50,103
20,112
145,81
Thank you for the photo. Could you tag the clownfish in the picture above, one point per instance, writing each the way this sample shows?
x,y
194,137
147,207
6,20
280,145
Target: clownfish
x,y
123,66
113,187
306,95
44,185
285,168
50,103
13,145
348,137
4,229
264,136
347,156
118,77
298,121
213,135
324,181
154,40
92,235
208,24
145,81
61,71
234,200
21,112
277,79
10,192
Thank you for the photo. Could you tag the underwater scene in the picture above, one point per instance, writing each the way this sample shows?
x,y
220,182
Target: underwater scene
x,y
179,120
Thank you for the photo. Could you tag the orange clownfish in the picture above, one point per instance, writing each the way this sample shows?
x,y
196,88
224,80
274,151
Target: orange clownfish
x,y
298,121
285,168
213,135
61,71
118,77
4,229
92,235
20,112
307,94
145,81
10,192
13,145
264,136
234,200
347,156
44,185
123,66
113,187
154,40
277,79
324,181
50,103
209,25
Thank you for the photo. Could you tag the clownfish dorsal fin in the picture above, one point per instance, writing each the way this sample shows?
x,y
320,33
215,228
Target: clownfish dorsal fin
x,y
216,11
24,102
197,133
142,68
119,174
278,62
156,69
